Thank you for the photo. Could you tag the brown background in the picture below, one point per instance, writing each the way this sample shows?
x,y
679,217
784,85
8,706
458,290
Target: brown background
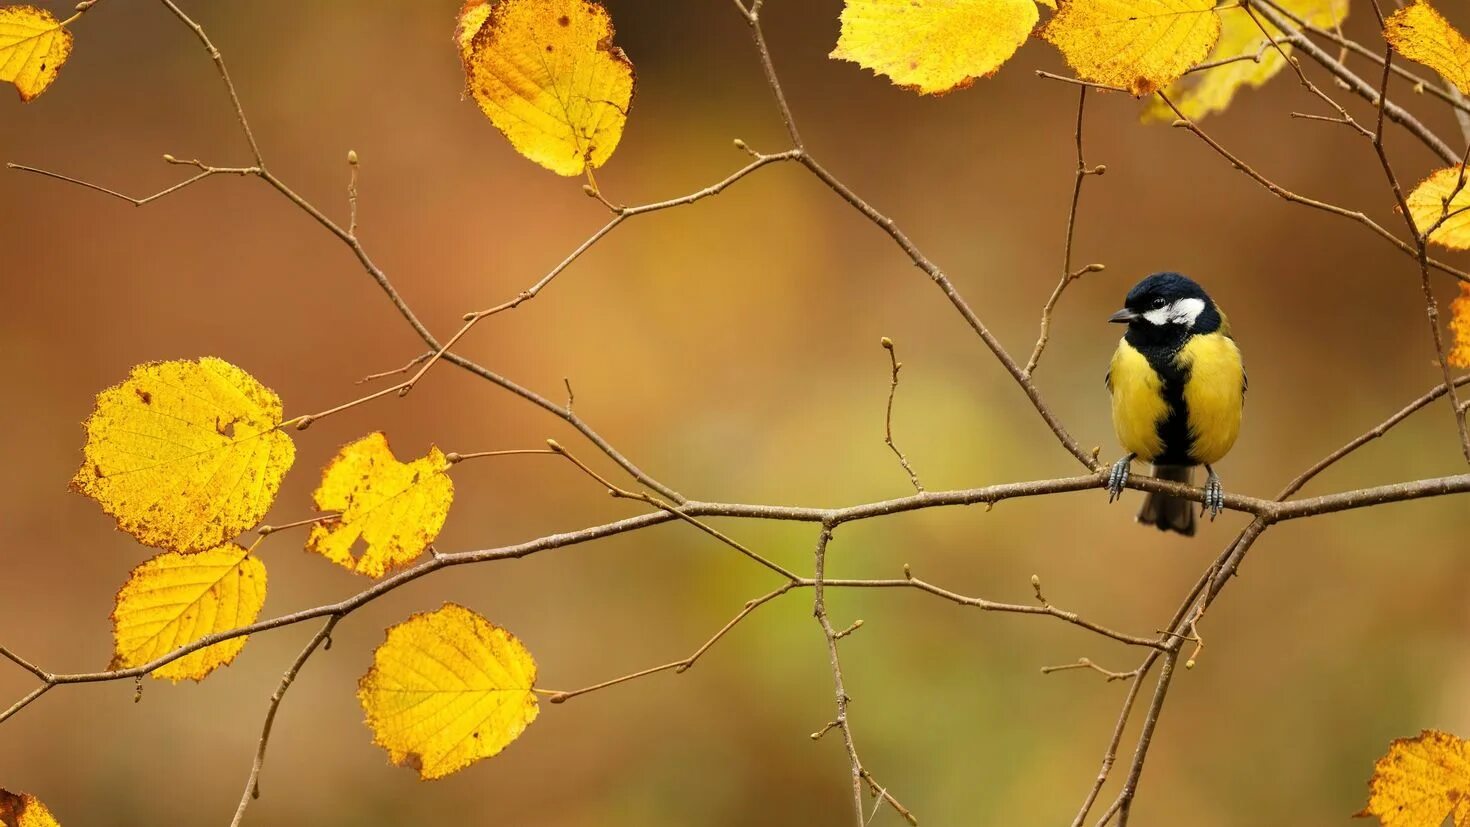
x,y
731,349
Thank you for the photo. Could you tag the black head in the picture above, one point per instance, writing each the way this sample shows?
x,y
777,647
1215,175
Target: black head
x,y
1167,307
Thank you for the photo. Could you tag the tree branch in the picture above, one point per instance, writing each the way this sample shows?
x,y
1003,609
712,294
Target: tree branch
x,y
252,782
1068,274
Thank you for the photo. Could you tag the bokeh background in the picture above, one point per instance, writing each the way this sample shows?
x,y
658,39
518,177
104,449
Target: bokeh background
x,y
732,350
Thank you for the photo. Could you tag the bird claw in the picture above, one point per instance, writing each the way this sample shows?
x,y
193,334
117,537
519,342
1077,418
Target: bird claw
x,y
1117,476
1214,496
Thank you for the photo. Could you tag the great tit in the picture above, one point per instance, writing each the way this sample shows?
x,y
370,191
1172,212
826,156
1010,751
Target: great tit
x,y
1178,389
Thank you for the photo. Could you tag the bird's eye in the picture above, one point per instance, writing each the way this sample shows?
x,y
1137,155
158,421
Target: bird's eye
x,y
1160,301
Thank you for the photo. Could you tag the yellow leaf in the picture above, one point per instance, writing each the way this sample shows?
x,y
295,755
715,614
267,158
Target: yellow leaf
x,y
395,508
1140,45
24,810
1420,33
1427,205
933,46
1421,781
186,455
1211,90
547,75
1459,356
471,17
33,45
175,599
446,689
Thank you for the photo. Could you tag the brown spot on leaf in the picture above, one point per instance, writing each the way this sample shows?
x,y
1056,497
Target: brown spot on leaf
x,y
564,20
225,429
550,48
144,395
12,807
413,761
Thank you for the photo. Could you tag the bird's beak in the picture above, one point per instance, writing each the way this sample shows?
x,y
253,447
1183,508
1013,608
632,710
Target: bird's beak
x,y
1123,316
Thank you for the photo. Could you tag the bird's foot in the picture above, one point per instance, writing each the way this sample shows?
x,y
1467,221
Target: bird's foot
x,y
1214,494
1117,476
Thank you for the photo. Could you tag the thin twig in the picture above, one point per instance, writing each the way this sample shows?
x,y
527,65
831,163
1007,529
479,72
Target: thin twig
x,y
1068,274
1086,84
417,360
252,782
352,192
1111,752
138,202
1184,122
894,366
1368,436
1448,94
1356,84
1087,663
682,665
1215,64
819,610
224,74
1421,242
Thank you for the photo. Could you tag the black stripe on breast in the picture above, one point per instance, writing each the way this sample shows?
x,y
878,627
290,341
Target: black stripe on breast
x,y
1174,429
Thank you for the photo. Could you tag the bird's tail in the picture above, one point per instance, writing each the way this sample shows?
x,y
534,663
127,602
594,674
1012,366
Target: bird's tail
x,y
1165,512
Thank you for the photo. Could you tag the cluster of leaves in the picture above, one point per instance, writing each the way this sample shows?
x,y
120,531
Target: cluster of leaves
x,y
187,455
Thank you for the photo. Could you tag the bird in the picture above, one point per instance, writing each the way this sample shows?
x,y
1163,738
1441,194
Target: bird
x,y
1178,388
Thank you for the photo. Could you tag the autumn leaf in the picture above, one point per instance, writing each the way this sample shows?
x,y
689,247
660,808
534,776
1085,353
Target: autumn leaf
x,y
1420,33
933,46
185,455
175,599
471,17
1459,356
33,45
24,810
1443,195
1202,93
396,509
1421,781
548,76
446,689
1140,45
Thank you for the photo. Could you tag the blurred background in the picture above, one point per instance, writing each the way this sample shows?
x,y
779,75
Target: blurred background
x,y
731,349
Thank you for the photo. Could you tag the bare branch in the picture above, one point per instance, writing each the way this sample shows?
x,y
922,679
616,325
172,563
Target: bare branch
x,y
1421,242
1068,274
138,202
819,610
224,74
252,783
1356,84
894,366
1086,663
682,665
1368,436
1184,122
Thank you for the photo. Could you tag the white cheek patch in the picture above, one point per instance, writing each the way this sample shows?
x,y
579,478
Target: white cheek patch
x,y
1158,316
1183,311
1186,311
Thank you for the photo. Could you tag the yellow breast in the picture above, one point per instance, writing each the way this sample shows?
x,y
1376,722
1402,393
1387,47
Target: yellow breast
x,y
1138,402
1214,395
